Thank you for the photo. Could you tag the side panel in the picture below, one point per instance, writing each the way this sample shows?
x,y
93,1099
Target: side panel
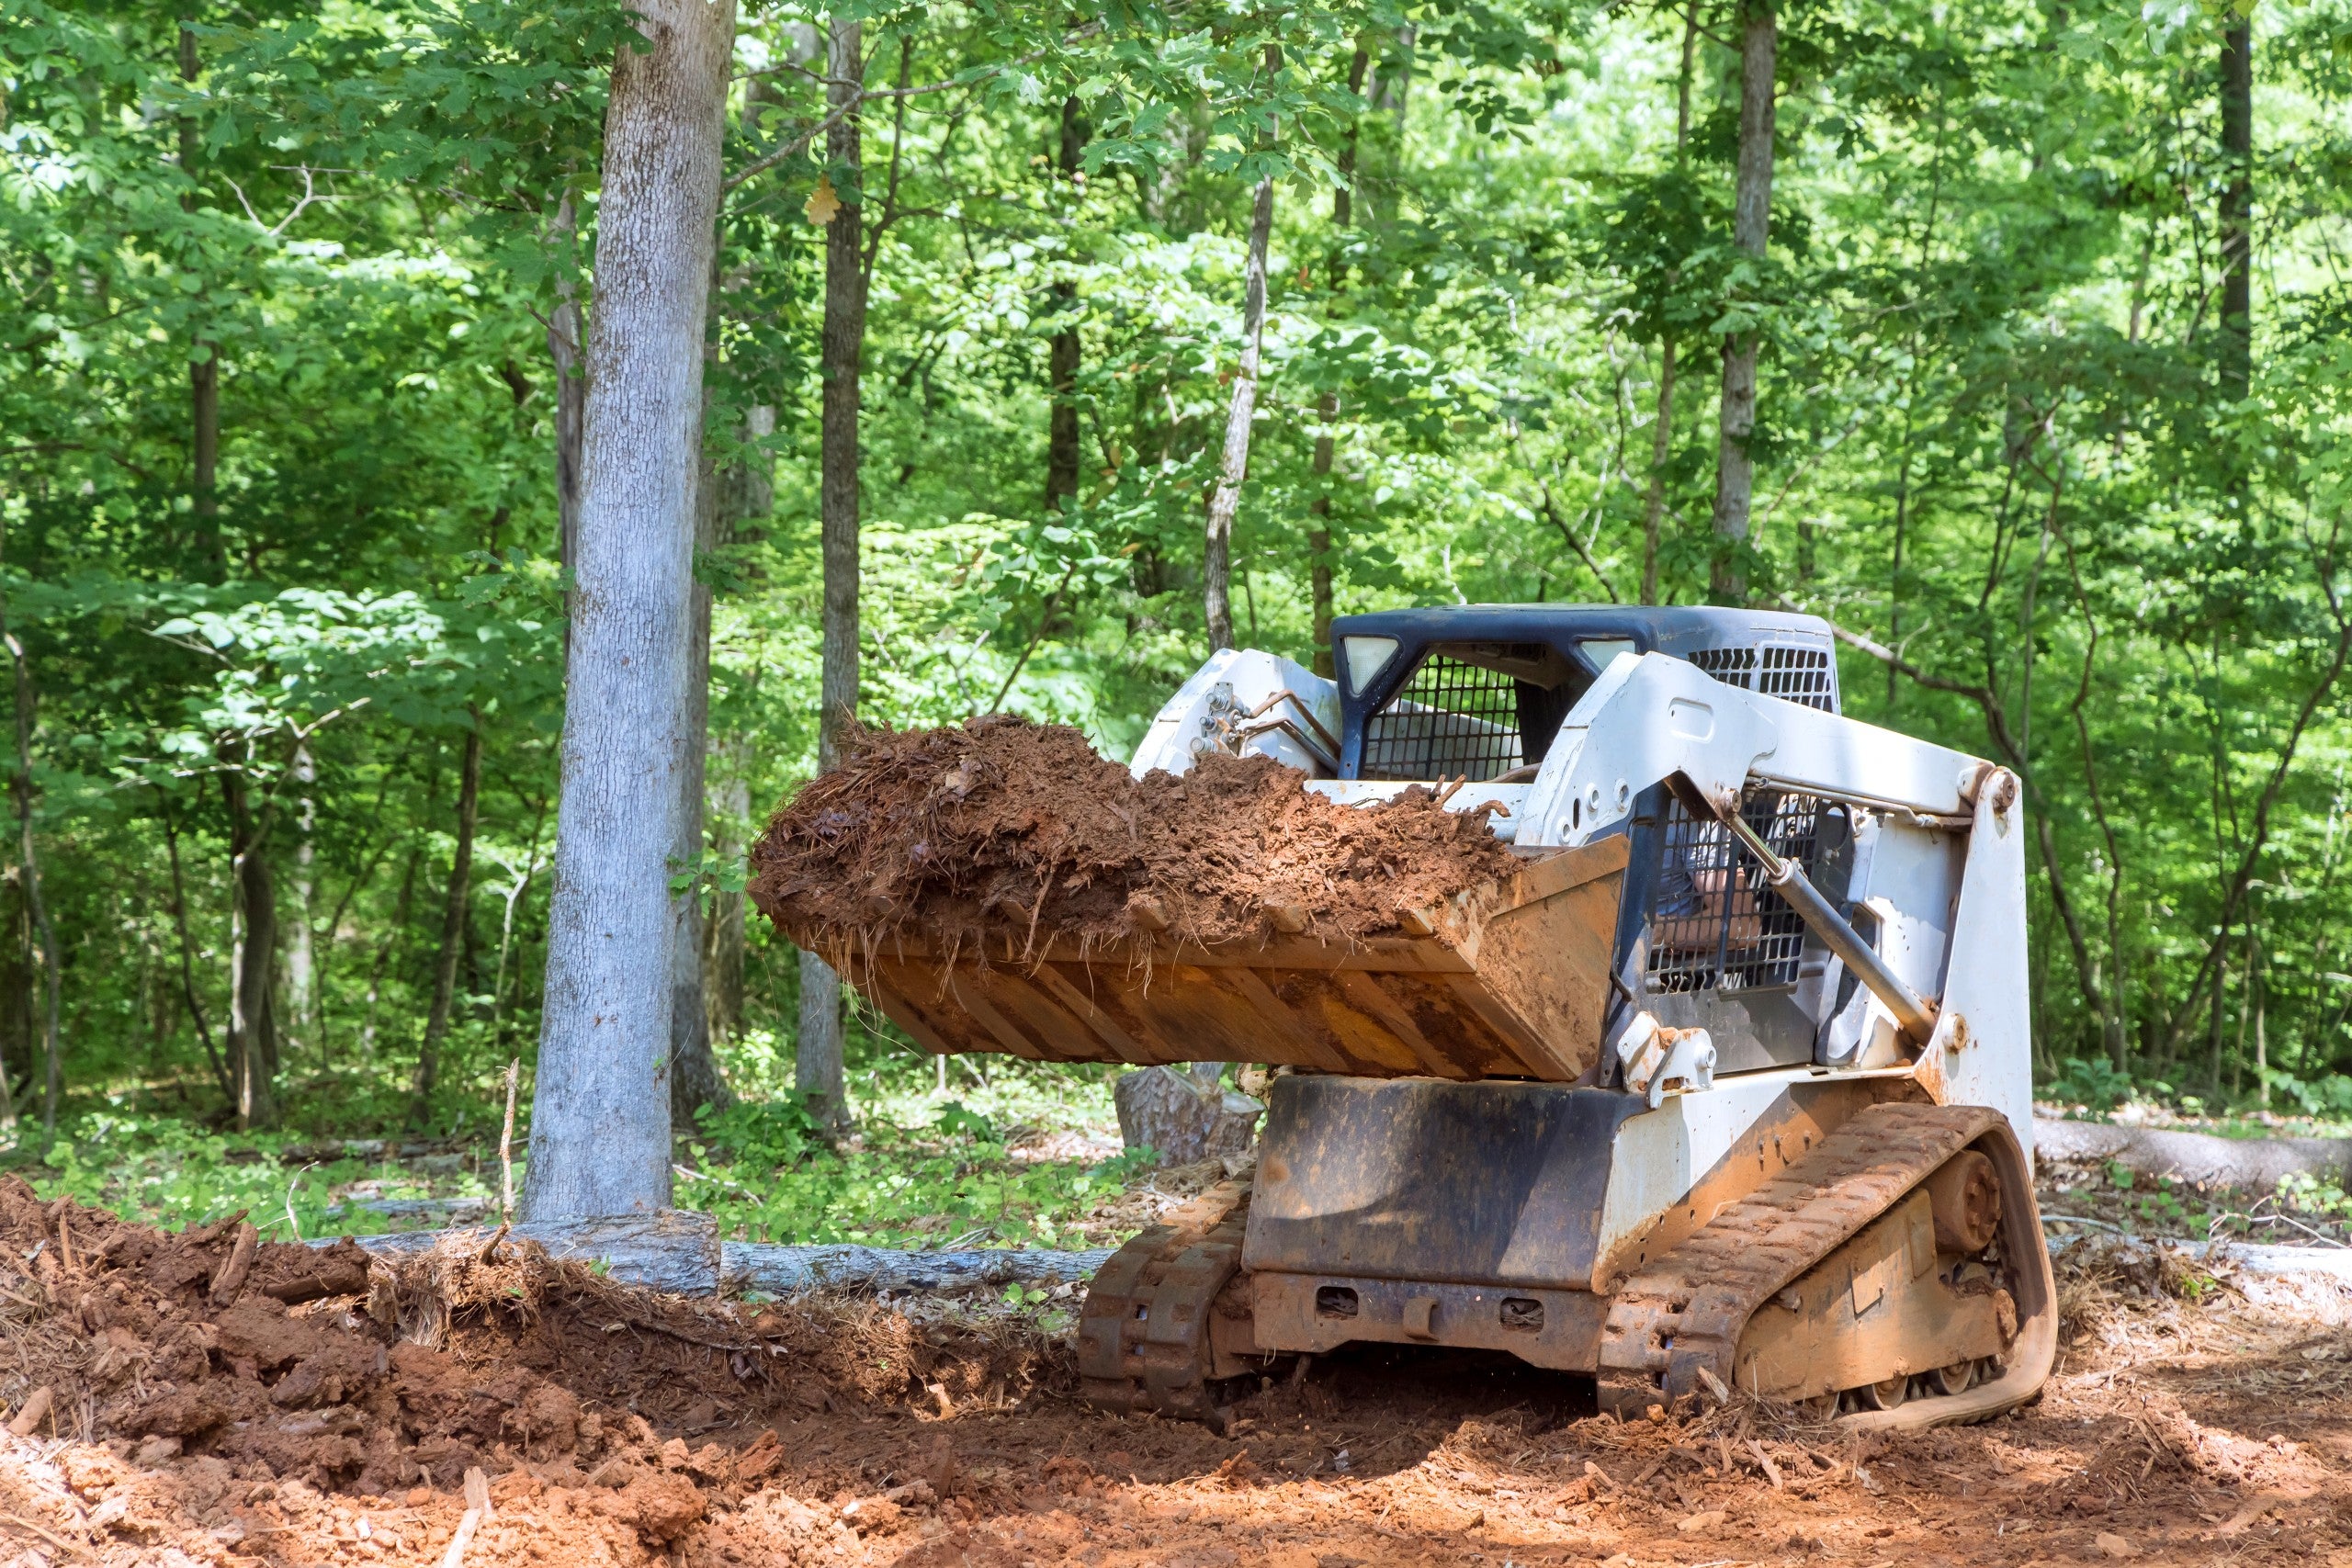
x,y
1674,1168
1982,1050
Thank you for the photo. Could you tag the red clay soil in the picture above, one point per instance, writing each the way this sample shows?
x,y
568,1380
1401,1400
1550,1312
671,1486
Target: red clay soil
x,y
1020,832
615,1427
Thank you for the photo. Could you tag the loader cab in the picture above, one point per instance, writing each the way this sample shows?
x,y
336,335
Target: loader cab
x,y
1481,690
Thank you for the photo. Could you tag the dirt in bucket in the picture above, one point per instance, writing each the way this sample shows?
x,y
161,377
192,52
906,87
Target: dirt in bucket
x,y
1022,834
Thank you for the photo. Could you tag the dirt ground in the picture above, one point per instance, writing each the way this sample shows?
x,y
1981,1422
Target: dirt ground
x,y
195,1414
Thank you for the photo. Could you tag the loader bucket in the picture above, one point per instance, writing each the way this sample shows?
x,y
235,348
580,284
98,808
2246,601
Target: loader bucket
x,y
1508,979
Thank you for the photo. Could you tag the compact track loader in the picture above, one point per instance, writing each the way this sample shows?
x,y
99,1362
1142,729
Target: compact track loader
x,y
1726,1088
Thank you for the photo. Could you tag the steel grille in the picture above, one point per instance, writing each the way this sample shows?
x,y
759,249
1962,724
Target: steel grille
x,y
1452,718
1732,666
1716,926
1797,673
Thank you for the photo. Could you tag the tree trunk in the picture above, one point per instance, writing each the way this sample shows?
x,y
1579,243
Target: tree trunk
x,y
564,341
1061,433
252,961
1661,453
730,804
453,923
1318,543
204,363
2237,211
1751,214
600,1123
695,1076
36,906
1217,561
301,958
1662,432
752,492
18,1026
817,1050
1318,532
385,949
818,1070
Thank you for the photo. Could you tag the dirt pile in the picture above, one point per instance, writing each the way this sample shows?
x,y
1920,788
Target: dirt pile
x,y
1020,833
243,1368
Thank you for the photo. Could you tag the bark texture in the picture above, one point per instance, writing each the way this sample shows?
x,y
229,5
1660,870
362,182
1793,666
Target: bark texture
x,y
1217,557
749,493
564,343
252,960
453,921
2237,211
1751,217
1318,531
302,956
696,1080
43,929
204,363
1185,1115
600,1125
816,1052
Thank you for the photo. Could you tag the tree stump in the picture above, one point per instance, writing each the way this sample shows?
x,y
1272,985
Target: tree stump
x,y
1185,1115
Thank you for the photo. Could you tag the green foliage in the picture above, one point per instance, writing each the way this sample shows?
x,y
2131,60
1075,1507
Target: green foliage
x,y
924,1170
2091,1081
164,1171
1992,437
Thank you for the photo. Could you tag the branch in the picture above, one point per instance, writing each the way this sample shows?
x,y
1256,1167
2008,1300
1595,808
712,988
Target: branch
x,y
309,194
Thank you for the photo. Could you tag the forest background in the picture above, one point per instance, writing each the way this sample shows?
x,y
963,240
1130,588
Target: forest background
x,y
2050,345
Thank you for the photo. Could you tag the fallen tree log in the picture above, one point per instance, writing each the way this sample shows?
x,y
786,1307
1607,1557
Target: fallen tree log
x,y
784,1271
2197,1157
674,1250
678,1250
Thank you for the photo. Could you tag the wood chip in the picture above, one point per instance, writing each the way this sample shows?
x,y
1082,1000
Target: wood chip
x,y
1771,1471
35,1411
478,1493
456,1556
231,1276
58,1541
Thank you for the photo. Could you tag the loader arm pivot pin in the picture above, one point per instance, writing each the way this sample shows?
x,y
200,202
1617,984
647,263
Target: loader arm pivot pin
x,y
1913,1013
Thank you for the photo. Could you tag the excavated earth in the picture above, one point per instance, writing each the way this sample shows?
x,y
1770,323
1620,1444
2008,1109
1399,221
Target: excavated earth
x,y
1001,832
175,1404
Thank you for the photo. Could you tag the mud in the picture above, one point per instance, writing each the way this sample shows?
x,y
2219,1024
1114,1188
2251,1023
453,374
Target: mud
x,y
1021,834
2193,1418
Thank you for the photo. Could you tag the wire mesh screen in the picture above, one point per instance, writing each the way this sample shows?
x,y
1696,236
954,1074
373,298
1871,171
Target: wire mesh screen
x,y
1798,673
1452,718
1716,926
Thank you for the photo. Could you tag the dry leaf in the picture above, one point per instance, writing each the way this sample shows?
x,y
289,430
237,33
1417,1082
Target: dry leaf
x,y
823,202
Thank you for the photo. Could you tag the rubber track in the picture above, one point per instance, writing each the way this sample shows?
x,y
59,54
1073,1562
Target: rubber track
x,y
1687,1309
1143,1333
